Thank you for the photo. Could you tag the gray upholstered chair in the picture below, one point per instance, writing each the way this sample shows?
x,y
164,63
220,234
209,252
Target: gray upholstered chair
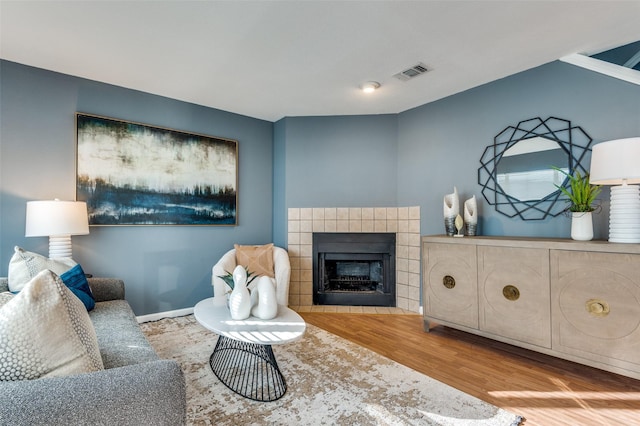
x,y
282,272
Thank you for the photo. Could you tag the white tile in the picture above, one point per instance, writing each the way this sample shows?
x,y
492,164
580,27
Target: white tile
x,y
318,225
293,238
380,225
293,226
414,226
367,225
306,263
306,226
402,277
402,290
330,225
402,238
306,214
367,213
414,239
293,213
306,238
392,225
294,250
330,213
402,251
306,250
403,225
380,213
318,213
392,213
342,225
402,265
355,213
414,266
403,213
342,213
414,212
414,279
414,253
355,225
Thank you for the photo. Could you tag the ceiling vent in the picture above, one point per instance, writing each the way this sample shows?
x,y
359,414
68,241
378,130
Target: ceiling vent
x,y
412,72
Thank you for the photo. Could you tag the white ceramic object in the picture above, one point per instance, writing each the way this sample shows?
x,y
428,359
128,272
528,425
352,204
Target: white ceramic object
x,y
266,304
240,299
471,215
581,226
451,209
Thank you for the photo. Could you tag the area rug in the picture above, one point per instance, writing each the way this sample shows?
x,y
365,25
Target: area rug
x,y
330,380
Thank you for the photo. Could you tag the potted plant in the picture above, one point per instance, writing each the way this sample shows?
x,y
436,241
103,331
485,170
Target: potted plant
x,y
582,196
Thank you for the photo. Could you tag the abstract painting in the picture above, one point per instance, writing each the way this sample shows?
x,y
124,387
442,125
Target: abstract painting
x,y
135,174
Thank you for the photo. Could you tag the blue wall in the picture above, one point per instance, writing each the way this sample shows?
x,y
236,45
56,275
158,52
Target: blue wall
x,y
440,144
164,267
406,159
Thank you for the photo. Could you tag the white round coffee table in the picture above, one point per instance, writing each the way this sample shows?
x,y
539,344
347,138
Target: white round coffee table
x,y
243,359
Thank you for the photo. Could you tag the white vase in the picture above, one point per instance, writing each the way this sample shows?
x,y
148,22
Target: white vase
x,y
471,216
581,226
266,304
451,209
240,299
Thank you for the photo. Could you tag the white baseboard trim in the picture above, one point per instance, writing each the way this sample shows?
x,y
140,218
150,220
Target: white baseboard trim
x,y
167,314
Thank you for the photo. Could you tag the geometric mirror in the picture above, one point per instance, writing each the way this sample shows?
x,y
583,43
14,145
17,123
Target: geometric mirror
x,y
517,173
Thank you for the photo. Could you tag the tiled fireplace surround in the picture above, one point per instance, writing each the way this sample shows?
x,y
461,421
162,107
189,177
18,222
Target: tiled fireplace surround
x,y
404,221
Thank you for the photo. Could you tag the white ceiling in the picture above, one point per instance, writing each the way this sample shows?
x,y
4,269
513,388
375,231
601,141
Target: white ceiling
x,y
272,59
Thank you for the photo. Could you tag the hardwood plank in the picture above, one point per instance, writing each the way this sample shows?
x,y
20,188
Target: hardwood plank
x,y
543,389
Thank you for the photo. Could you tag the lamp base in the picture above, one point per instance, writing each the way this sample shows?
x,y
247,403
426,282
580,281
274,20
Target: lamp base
x,y
59,246
624,214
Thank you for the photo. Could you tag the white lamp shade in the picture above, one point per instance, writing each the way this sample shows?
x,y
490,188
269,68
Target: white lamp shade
x,y
616,162
55,217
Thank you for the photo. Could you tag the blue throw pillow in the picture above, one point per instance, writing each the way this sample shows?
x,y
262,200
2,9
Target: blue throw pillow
x,y
76,281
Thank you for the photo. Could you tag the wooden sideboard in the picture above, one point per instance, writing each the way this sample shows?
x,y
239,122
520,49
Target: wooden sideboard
x,y
575,300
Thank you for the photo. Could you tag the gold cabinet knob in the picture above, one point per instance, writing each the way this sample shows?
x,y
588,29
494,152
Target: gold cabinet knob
x,y
511,292
448,281
597,307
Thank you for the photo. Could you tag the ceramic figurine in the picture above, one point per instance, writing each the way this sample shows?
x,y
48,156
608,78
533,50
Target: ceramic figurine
x,y
459,223
451,210
266,304
471,216
240,299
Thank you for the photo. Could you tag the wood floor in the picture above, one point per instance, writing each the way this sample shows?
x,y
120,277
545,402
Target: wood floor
x,y
546,391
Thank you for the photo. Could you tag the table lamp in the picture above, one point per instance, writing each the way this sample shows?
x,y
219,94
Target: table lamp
x,y
58,220
617,162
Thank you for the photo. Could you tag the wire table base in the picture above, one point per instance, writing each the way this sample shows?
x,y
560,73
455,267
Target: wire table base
x,y
248,369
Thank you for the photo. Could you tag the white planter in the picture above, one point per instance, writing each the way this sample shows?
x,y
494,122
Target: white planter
x,y
581,226
240,299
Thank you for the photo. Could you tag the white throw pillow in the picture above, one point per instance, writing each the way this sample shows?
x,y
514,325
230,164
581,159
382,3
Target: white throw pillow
x,y
24,265
45,331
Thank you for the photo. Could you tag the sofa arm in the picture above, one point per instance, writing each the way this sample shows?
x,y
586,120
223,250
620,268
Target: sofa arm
x,y
151,393
105,289
227,263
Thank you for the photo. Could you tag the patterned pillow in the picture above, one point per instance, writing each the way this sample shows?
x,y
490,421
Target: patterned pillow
x,y
45,331
257,259
24,265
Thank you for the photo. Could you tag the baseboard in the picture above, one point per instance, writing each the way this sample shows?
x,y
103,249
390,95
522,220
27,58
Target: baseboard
x,y
167,314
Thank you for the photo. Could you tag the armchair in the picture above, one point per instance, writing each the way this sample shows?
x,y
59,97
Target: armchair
x,y
282,272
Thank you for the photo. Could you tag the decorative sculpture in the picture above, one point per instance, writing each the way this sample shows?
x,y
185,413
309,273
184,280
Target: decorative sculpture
x,y
451,210
471,216
240,299
265,303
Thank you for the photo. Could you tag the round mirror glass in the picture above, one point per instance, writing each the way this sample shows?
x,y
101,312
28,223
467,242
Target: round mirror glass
x,y
525,171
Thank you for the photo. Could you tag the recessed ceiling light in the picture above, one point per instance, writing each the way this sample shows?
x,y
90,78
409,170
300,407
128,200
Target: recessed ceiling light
x,y
370,86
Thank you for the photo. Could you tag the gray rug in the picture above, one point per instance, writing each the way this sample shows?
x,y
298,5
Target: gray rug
x,y
330,380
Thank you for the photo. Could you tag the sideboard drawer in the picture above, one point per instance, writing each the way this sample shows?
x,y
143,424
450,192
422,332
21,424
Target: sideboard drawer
x,y
596,306
513,293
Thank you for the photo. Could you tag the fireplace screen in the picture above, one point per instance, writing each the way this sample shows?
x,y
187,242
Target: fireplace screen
x,y
354,269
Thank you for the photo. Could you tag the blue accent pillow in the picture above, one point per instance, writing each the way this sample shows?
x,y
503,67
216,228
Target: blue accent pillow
x,y
76,281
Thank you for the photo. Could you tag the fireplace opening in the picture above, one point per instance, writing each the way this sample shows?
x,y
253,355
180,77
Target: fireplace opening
x,y
355,269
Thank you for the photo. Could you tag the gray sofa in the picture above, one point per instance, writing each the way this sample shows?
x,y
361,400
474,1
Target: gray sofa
x,y
135,388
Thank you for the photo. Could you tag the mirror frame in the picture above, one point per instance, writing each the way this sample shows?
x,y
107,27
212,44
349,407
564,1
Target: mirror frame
x,y
572,139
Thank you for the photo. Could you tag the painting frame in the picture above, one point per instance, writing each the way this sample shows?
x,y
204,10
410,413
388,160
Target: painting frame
x,y
136,174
